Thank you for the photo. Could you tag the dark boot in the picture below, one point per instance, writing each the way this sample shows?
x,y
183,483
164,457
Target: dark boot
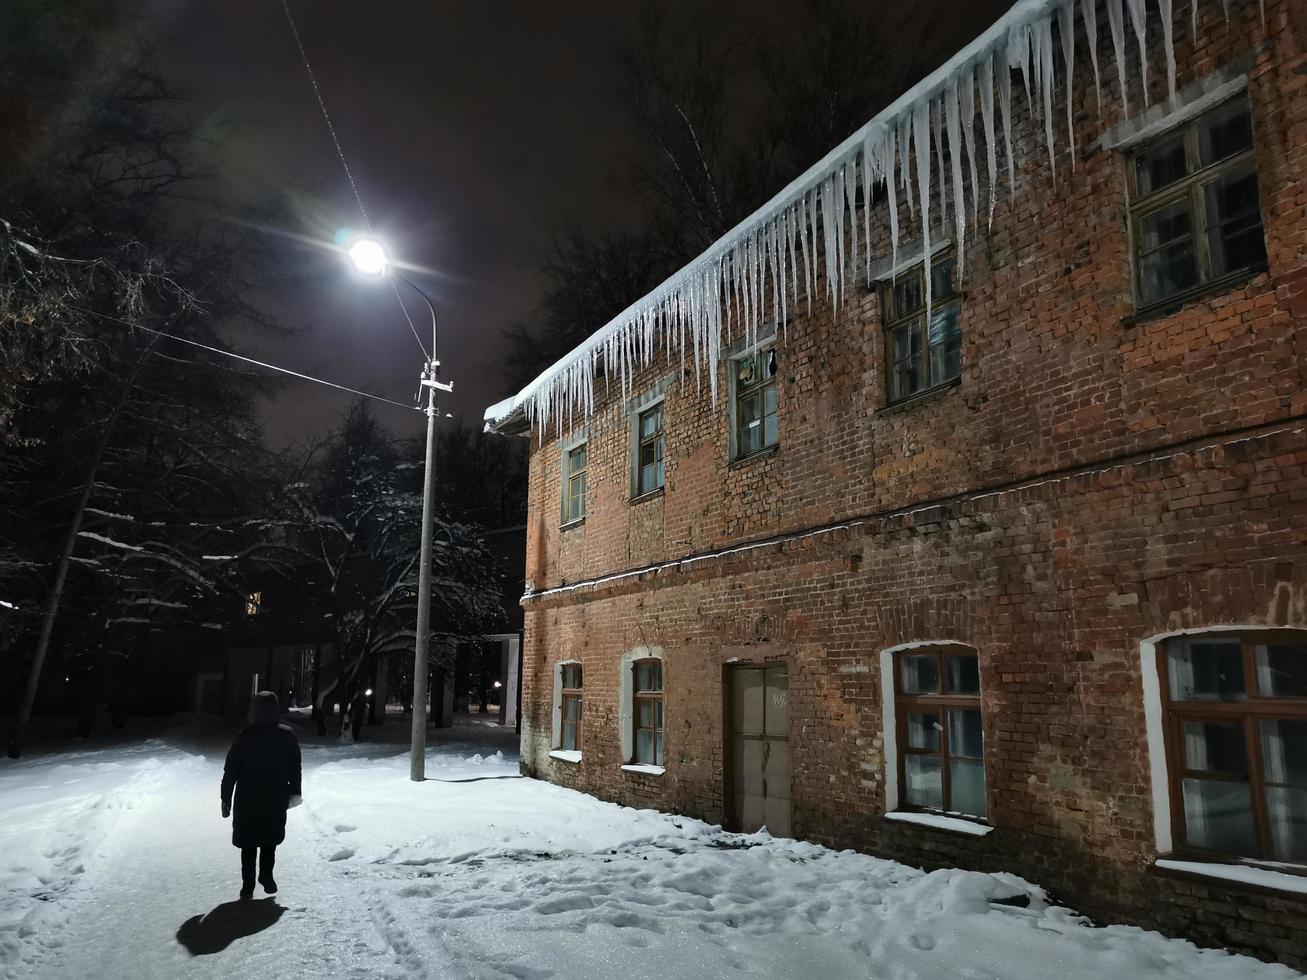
x,y
247,871
267,858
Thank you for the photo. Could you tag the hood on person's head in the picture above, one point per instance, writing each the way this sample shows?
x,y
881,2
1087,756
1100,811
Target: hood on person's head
x,y
265,709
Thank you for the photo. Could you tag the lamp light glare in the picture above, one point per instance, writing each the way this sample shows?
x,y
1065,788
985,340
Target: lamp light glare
x,y
368,256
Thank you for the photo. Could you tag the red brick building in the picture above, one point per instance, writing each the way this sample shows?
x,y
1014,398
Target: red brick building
x,y
1013,576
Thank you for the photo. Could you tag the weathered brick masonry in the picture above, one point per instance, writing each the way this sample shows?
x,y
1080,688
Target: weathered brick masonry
x,y
1092,481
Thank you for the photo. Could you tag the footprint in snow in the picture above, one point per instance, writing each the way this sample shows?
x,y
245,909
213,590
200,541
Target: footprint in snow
x,y
342,854
921,941
345,828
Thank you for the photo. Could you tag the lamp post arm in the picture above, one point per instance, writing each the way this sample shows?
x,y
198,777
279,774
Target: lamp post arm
x,y
430,306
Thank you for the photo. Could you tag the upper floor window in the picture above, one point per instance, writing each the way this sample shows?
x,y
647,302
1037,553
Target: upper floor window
x,y
253,603
649,450
570,737
574,483
648,712
1194,208
753,378
941,756
1236,738
922,355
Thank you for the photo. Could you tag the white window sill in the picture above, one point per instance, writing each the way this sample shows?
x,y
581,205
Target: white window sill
x,y
565,755
1240,874
940,822
645,770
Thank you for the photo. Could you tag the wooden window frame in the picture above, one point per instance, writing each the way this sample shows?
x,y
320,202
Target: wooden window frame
x,y
639,697
575,484
569,695
1253,708
740,391
939,704
659,447
896,322
1191,190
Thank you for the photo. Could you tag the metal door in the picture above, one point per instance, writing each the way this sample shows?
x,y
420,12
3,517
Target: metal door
x,y
758,748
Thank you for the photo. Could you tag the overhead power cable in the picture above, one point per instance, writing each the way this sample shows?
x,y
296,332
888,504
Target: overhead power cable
x,y
340,152
251,360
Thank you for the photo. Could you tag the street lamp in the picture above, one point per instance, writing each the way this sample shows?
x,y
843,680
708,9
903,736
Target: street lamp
x,y
370,258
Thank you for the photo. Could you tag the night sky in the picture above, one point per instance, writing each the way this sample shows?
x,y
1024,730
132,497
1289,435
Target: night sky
x,y
469,127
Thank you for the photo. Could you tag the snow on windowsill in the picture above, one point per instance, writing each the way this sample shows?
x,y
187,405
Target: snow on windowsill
x,y
565,755
1239,873
645,770
940,822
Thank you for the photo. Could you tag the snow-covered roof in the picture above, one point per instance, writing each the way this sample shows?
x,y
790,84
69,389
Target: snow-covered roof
x,y
755,267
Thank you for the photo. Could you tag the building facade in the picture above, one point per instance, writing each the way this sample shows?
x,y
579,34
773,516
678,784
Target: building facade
x,y
996,556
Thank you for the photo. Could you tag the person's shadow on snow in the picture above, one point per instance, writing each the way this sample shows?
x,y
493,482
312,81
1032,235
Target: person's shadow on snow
x,y
217,929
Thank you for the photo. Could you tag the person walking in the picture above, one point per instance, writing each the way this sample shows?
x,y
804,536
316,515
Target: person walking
x,y
263,768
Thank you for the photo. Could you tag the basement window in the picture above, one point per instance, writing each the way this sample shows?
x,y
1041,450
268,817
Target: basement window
x,y
941,754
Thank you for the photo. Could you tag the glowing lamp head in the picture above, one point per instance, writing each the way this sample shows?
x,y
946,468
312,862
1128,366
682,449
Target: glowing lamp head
x,y
368,693
368,256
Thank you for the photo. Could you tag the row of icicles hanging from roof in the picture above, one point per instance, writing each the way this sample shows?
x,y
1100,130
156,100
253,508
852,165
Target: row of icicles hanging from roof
x,y
758,263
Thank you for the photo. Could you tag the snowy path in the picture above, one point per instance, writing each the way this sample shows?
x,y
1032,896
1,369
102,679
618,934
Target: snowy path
x,y
173,861
105,855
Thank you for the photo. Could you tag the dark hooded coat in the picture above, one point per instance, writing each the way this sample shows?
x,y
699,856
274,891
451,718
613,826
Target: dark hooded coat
x,y
263,768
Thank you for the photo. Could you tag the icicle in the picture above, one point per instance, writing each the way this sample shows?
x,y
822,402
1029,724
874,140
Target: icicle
x,y
851,200
790,232
921,138
1044,51
804,226
905,141
830,244
1116,25
1139,18
872,167
968,106
937,117
1193,27
1005,104
892,194
953,124
1168,42
1089,14
987,121
1018,56
1066,27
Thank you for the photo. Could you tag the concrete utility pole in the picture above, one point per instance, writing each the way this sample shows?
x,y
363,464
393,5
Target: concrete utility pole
x,y
369,257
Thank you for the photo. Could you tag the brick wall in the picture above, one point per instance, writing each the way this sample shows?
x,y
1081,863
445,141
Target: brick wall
x,y
1092,481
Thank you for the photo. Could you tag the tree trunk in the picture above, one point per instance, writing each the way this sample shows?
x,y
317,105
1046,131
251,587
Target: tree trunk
x,y
65,560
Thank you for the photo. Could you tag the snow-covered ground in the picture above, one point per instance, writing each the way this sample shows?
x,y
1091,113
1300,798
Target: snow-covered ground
x,y
114,862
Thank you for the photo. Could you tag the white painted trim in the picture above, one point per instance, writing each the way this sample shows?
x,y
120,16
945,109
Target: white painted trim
x,y
1241,873
888,709
565,755
645,770
1155,741
1154,727
556,723
626,696
940,822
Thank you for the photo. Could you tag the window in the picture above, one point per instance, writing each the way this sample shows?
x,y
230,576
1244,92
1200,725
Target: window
x,y
1194,212
920,357
570,714
941,755
253,603
754,378
574,484
648,712
649,450
1236,735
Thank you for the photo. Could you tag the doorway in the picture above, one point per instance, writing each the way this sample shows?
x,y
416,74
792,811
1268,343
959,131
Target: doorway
x,y
758,748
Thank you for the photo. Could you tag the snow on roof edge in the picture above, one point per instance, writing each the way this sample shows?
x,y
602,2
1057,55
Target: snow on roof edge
x,y
1021,12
